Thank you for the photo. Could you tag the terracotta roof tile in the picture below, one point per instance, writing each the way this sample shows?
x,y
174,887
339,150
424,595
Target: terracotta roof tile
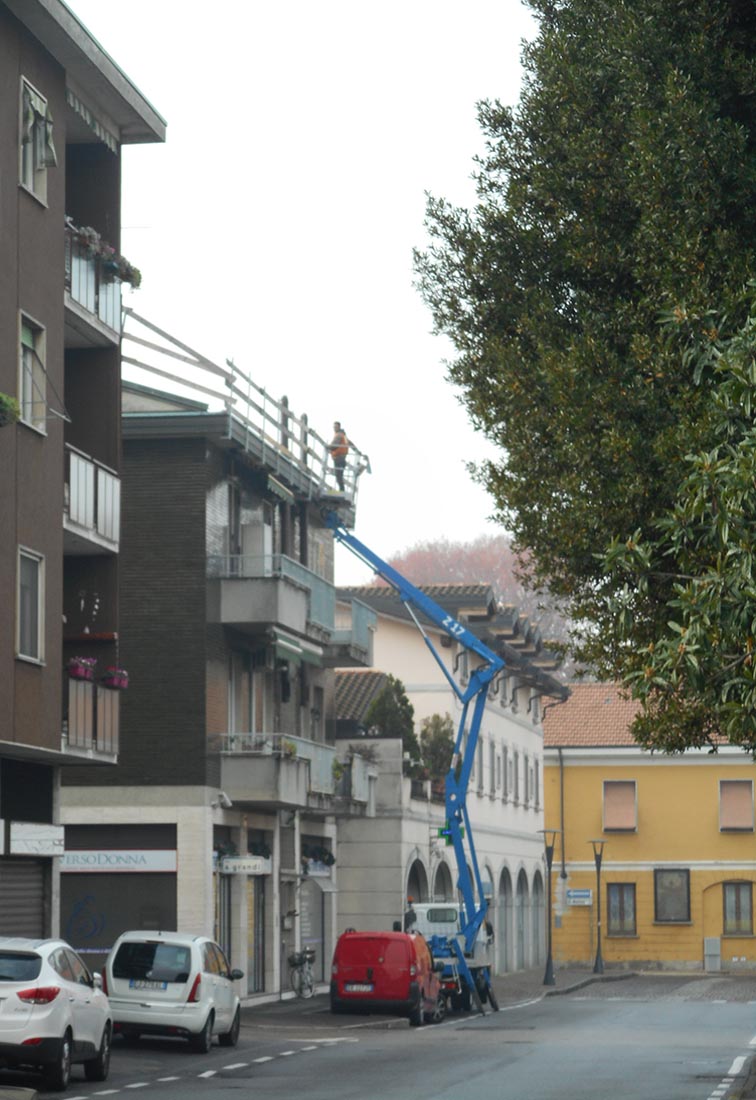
x,y
595,715
355,691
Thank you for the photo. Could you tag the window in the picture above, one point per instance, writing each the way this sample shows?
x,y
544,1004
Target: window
x,y
516,776
37,152
492,759
479,766
620,806
671,895
738,908
30,604
620,899
736,805
526,780
535,708
537,784
33,379
505,773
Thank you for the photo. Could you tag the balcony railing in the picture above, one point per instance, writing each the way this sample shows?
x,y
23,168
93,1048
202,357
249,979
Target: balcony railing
x,y
321,757
92,719
90,282
360,632
322,594
92,496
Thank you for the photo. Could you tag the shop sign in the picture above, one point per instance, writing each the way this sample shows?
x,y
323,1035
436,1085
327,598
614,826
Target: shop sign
x,y
245,865
120,861
31,839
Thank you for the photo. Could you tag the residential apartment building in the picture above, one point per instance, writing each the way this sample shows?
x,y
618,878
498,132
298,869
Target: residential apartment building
x,y
400,854
220,817
675,835
66,111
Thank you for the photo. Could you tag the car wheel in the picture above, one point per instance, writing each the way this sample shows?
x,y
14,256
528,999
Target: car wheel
x,y
58,1074
439,1010
231,1037
97,1069
416,1014
202,1042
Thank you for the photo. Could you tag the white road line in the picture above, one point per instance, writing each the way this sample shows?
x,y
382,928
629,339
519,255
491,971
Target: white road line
x,y
267,1058
106,1092
310,1048
208,1073
138,1085
286,1053
236,1065
736,1067
753,1042
162,1079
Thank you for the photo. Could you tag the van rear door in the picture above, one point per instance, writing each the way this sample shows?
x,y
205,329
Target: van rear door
x,y
375,966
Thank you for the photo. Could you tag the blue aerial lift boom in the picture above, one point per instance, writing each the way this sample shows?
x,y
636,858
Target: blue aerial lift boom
x,y
472,698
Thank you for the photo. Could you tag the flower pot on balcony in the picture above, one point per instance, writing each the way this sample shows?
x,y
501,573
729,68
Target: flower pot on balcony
x,y
116,679
81,668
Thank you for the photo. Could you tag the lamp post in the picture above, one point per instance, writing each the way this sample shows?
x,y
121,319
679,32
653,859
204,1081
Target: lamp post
x,y
549,840
598,853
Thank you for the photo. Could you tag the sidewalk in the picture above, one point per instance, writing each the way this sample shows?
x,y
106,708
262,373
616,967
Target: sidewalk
x,y
527,985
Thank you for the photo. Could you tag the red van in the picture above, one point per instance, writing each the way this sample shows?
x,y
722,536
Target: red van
x,y
391,972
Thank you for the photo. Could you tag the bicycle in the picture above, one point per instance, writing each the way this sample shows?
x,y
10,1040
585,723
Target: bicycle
x,y
301,976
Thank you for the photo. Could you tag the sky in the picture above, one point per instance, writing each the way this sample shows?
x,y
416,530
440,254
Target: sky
x,y
276,224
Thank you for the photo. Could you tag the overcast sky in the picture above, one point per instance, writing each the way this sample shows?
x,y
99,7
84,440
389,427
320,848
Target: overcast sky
x,y
276,224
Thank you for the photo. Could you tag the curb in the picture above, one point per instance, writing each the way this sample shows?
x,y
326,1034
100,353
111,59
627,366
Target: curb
x,y
583,982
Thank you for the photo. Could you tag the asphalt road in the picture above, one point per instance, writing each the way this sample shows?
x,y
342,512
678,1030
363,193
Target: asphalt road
x,y
640,1039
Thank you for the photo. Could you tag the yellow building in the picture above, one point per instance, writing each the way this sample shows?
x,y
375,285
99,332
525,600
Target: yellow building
x,y
674,836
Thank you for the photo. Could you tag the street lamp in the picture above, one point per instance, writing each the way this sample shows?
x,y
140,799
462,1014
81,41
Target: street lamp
x,y
549,840
598,853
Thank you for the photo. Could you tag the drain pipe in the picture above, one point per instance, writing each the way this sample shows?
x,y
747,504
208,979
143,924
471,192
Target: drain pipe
x,y
561,810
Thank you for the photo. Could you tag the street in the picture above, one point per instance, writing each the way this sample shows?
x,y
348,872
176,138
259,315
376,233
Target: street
x,y
669,1038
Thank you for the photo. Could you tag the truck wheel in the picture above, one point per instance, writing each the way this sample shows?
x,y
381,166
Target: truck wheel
x,y
492,998
439,1010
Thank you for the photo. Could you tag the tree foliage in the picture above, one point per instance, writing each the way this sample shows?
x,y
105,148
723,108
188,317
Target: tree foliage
x,y
437,744
695,671
620,190
391,714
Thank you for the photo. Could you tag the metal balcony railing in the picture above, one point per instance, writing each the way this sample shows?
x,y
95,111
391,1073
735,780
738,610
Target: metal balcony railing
x,y
322,594
92,495
90,282
363,624
92,718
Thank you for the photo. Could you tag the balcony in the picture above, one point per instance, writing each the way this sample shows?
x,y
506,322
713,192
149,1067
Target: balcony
x,y
277,771
254,592
351,644
91,722
93,294
91,507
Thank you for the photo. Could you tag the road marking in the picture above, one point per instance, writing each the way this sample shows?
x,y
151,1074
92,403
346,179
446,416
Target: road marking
x,y
236,1065
736,1066
138,1085
286,1053
162,1079
753,1042
309,1048
267,1058
208,1073
106,1092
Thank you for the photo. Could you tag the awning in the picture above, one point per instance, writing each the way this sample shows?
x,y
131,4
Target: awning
x,y
288,647
279,489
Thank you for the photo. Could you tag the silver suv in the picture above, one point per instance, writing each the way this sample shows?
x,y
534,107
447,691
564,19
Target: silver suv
x,y
172,983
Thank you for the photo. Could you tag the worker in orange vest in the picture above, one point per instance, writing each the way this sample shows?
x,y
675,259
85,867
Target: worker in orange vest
x,y
339,449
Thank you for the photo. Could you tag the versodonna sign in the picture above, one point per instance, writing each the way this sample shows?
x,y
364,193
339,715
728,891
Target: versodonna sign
x,y
120,861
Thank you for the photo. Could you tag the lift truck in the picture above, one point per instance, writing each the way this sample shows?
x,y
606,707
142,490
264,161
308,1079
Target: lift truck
x,y
467,975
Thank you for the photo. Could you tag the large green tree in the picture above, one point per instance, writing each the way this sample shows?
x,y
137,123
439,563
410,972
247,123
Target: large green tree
x,y
391,714
620,192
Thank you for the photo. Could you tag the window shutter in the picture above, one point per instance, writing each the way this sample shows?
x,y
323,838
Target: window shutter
x,y
736,804
620,805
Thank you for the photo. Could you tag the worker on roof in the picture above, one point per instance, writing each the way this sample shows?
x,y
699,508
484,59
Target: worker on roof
x,y
339,449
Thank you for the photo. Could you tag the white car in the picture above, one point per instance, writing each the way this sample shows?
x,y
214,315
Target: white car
x,y
170,983
52,1011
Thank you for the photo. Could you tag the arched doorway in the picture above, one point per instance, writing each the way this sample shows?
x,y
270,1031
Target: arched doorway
x,y
443,887
417,882
520,915
538,921
504,923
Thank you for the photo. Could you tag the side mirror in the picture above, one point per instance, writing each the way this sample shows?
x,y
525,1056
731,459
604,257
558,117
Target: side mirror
x,y
237,975
97,979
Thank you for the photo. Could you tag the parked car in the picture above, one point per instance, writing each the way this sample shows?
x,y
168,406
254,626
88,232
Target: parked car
x,y
390,972
52,1011
172,983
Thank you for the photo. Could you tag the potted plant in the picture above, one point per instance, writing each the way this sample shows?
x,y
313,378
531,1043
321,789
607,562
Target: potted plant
x,y
117,679
10,409
82,668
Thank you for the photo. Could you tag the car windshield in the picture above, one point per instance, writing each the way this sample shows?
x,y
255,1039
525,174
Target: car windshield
x,y
152,961
16,966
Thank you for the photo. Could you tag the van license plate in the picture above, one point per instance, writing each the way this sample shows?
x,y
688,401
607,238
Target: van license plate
x,y
143,983
358,987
